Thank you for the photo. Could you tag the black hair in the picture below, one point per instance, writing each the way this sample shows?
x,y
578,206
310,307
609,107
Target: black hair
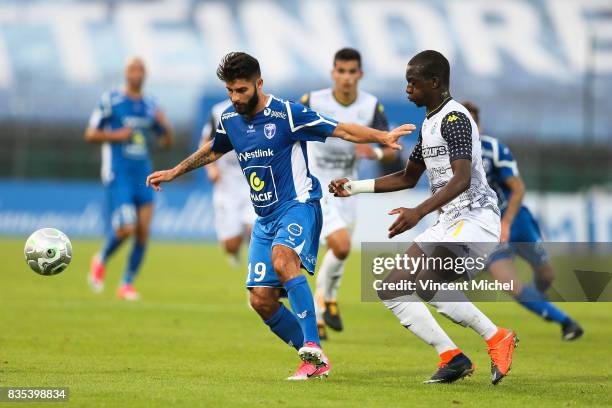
x,y
347,54
433,64
238,65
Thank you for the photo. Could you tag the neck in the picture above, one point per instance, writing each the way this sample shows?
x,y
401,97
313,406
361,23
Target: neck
x,y
437,100
133,92
263,101
345,98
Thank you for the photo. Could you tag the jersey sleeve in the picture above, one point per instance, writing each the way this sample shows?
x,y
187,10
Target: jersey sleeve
x,y
208,128
504,162
417,153
379,121
221,142
102,113
456,129
308,125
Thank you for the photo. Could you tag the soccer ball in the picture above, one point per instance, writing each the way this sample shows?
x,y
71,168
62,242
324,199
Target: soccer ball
x,y
48,251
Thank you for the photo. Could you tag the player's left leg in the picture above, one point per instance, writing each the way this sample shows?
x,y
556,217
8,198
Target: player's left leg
x,y
295,245
144,216
527,243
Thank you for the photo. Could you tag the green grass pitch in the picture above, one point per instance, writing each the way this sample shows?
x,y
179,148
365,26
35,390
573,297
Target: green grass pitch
x,y
192,341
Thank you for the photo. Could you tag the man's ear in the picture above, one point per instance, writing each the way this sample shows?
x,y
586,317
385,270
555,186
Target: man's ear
x,y
259,83
435,82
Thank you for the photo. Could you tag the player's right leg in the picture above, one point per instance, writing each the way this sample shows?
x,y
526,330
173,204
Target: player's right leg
x,y
121,223
228,225
338,219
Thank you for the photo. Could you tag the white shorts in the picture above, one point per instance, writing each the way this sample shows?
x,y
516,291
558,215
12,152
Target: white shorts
x,y
479,228
233,210
338,213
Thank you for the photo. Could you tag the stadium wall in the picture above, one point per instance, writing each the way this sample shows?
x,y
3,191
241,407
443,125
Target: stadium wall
x,y
185,213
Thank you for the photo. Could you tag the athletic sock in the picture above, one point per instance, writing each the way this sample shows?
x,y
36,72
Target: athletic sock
x,y
535,301
449,355
302,305
328,280
463,312
134,262
110,246
286,326
414,315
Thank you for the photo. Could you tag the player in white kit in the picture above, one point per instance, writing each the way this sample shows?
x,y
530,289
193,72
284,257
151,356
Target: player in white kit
x,y
449,149
335,159
234,215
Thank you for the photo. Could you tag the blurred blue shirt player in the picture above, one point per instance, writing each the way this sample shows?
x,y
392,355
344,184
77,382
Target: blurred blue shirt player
x,y
126,123
269,136
520,235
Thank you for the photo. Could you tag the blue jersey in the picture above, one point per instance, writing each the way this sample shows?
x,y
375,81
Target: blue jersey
x,y
115,111
271,150
499,164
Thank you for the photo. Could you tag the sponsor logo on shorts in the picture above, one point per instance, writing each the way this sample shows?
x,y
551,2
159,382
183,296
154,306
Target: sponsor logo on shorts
x,y
295,229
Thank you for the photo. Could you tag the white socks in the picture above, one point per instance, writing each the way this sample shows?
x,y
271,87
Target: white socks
x,y
328,279
414,315
467,315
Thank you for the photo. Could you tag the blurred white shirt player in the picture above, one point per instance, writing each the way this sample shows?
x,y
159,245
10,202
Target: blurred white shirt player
x,y
338,158
234,215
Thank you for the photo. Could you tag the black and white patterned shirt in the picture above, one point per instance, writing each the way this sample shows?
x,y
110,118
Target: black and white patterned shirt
x,y
448,134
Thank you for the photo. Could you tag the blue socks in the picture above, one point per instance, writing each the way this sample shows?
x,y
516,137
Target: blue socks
x,y
302,304
534,300
285,325
136,257
111,245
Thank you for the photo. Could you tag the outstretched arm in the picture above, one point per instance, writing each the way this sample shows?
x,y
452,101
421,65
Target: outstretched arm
x,y
355,133
201,157
400,180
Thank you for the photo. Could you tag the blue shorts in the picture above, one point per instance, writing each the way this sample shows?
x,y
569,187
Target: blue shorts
x,y
525,241
124,195
297,227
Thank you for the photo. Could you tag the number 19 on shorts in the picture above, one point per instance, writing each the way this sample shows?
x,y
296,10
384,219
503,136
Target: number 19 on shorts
x,y
259,272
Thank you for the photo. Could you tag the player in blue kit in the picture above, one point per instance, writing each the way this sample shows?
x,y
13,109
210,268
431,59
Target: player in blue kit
x,y
268,136
126,122
520,235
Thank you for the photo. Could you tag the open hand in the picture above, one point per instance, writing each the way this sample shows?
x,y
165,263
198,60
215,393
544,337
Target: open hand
x,y
408,219
390,138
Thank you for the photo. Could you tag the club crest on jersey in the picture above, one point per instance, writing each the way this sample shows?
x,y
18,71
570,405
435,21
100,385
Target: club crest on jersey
x,y
269,130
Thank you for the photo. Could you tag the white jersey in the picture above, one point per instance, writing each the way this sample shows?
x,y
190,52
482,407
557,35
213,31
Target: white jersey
x,y
449,133
336,157
229,169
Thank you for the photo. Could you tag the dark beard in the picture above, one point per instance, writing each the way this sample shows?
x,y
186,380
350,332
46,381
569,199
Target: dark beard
x,y
249,107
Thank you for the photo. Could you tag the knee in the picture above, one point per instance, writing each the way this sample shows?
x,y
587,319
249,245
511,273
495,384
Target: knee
x,y
342,250
231,245
125,231
265,307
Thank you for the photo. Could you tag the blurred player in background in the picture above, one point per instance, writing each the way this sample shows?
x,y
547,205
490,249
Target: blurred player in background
x,y
520,235
234,215
269,137
338,158
448,147
126,122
